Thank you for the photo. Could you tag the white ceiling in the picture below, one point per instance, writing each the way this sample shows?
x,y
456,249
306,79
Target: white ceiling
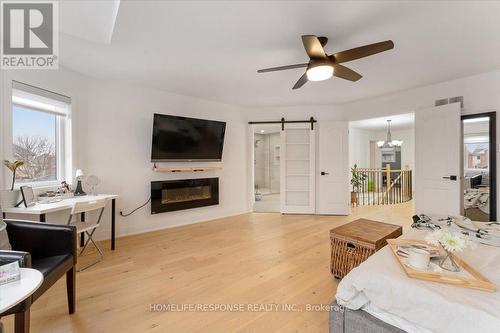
x,y
398,122
89,20
212,49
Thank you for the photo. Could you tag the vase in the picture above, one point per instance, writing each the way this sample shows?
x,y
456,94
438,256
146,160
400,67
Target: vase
x,y
448,263
9,198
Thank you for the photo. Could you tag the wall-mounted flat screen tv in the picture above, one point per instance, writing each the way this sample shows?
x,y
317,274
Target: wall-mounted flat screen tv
x,y
186,139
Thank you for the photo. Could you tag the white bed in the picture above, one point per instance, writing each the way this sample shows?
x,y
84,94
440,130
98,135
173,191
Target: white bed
x,y
477,198
380,287
477,204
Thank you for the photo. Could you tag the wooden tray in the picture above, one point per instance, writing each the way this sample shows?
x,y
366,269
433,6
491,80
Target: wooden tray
x,y
469,278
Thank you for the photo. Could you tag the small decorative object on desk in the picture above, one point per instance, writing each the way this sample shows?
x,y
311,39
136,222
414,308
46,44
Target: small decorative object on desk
x,y
79,177
28,196
10,273
451,242
93,181
9,198
64,187
12,166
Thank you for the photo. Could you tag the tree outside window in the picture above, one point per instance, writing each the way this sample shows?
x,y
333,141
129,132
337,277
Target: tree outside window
x,y
34,142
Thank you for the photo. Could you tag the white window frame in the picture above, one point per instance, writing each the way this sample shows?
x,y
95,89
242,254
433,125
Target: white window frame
x,y
60,106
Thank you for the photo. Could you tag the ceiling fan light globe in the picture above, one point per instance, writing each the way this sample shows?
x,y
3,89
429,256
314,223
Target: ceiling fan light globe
x,y
319,73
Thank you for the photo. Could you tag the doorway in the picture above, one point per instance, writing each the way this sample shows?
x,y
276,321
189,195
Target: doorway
x,y
382,160
285,173
267,161
479,161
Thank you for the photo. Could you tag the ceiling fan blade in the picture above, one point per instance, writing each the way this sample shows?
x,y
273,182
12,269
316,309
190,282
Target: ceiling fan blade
x,y
346,73
363,51
313,47
303,80
281,68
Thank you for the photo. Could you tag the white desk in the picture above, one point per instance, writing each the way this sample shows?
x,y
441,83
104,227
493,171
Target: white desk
x,y
41,209
15,292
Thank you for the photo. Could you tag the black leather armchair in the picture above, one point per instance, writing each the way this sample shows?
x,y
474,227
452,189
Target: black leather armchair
x,y
24,258
49,248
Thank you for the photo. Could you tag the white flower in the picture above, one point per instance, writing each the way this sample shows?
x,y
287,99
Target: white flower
x,y
451,242
434,237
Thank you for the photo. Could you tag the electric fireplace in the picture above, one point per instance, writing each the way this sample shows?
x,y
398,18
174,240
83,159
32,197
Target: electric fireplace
x,y
171,195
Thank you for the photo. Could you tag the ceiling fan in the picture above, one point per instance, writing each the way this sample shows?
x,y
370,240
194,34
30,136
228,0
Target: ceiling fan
x,y
322,66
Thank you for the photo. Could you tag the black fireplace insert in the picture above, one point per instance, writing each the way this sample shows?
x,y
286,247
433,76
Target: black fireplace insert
x,y
171,195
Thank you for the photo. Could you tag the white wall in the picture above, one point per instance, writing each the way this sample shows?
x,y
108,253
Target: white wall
x,y
112,133
118,151
300,112
480,92
62,81
480,95
359,147
112,126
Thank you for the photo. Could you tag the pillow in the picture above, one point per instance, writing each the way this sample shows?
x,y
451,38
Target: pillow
x,y
4,238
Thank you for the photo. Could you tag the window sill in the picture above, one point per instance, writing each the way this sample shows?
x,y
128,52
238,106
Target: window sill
x,y
41,186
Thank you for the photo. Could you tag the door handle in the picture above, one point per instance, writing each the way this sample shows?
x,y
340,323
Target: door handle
x,y
324,173
451,177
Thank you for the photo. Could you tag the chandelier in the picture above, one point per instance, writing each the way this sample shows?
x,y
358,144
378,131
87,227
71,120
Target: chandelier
x,y
389,143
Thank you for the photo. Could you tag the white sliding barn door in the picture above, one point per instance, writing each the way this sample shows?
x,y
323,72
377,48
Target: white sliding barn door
x,y
298,169
333,181
438,160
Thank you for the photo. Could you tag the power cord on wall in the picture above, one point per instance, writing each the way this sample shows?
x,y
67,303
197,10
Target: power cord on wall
x,y
136,209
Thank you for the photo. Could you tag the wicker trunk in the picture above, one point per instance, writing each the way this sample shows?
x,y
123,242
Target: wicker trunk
x,y
354,242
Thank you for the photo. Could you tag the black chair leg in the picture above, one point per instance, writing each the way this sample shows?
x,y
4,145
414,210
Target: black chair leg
x,y
22,322
71,290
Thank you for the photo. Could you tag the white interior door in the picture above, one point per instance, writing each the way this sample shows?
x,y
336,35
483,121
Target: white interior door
x,y
298,166
438,160
333,179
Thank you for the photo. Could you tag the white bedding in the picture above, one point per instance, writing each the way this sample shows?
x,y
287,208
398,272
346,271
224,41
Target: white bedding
x,y
476,198
382,288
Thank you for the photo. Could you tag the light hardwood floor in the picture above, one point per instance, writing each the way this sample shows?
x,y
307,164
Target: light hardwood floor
x,y
258,258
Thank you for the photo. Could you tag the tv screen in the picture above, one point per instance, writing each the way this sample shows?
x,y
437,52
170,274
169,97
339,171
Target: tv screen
x,y
186,139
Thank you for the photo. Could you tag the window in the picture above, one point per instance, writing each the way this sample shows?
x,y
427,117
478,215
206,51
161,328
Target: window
x,y
476,155
40,135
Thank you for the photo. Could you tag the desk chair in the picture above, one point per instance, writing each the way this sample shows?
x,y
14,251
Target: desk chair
x,y
49,248
87,227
